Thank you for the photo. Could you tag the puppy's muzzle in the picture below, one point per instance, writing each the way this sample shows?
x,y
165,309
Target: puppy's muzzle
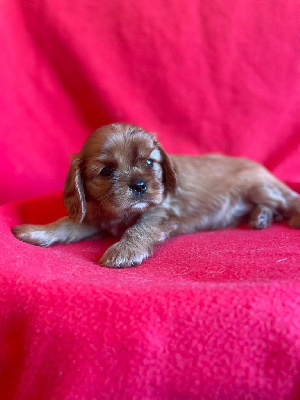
x,y
138,186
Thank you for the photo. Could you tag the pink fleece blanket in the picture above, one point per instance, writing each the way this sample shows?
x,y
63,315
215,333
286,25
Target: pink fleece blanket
x,y
213,315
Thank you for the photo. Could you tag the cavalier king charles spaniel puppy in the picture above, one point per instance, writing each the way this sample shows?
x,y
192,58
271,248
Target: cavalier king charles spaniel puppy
x,y
123,183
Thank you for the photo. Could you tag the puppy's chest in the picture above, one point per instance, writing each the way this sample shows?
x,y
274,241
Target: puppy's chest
x,y
117,226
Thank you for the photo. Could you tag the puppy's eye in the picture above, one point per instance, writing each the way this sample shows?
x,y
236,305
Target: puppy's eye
x,y
106,172
150,162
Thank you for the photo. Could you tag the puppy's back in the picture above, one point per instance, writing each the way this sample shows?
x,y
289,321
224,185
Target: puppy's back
x,y
215,191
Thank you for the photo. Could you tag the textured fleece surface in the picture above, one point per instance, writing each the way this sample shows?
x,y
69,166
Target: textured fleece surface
x,y
212,315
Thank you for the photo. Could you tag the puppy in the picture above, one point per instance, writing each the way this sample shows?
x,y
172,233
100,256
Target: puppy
x,y
122,182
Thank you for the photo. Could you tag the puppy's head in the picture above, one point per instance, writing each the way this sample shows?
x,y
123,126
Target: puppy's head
x,y
122,169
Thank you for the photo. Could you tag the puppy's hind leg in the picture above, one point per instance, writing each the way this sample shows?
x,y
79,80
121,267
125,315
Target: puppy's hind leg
x,y
261,217
64,230
282,201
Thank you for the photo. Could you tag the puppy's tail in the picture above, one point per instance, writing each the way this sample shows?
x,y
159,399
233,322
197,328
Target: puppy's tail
x,y
293,211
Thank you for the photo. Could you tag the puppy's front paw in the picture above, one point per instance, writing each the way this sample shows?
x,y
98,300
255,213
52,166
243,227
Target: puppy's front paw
x,y
122,255
31,234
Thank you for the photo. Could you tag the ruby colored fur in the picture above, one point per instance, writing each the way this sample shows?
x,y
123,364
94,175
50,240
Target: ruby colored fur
x,y
212,315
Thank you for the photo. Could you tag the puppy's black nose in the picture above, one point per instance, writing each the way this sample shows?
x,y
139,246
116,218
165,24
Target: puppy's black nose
x,y
139,186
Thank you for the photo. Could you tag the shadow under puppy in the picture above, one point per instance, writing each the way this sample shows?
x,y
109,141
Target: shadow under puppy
x,y
122,182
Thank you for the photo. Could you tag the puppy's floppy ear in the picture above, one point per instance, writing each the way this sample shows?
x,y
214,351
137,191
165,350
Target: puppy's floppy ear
x,y
170,179
74,197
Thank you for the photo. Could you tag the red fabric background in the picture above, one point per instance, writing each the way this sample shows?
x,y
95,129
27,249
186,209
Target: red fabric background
x,y
213,315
